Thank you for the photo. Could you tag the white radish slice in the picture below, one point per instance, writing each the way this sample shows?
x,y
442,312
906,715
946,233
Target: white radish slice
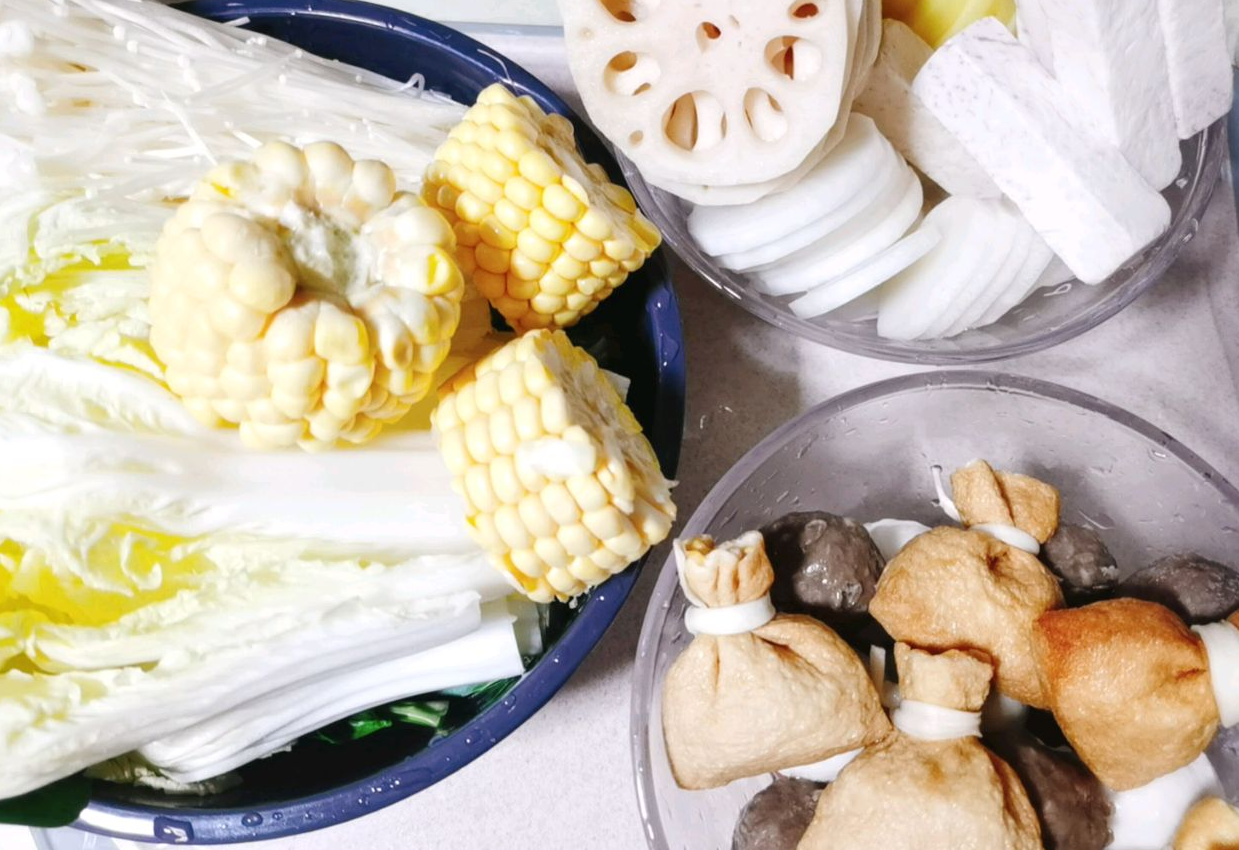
x,y
1007,278
1031,277
722,230
905,306
1003,228
874,230
868,275
730,92
886,177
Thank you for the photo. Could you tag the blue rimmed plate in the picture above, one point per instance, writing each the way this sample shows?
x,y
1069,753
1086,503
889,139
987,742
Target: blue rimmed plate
x,y
636,332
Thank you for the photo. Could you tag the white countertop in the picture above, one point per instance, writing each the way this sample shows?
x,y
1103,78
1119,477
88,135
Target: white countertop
x,y
564,779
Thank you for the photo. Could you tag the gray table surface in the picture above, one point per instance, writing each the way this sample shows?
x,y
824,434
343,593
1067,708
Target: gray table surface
x,y
564,779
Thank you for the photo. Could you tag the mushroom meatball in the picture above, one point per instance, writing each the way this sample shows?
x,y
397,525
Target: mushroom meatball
x,y
1197,589
1071,803
825,566
1083,564
778,817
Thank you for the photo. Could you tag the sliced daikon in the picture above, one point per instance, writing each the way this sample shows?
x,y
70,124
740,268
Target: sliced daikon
x,y
1004,279
1032,277
909,125
907,301
868,275
722,230
730,93
1004,224
871,232
887,177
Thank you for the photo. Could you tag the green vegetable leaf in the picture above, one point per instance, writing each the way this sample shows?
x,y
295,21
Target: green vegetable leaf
x,y
55,805
485,693
354,728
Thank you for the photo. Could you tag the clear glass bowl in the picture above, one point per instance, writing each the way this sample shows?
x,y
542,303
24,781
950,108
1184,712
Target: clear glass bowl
x,y
1046,318
867,454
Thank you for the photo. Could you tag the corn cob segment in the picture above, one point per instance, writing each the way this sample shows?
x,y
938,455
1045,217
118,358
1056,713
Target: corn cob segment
x,y
301,297
561,486
543,235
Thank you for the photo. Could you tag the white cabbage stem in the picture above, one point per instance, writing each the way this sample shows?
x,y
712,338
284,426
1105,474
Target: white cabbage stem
x,y
54,726
268,724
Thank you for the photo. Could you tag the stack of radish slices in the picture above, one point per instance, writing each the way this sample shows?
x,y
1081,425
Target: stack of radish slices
x,y
854,224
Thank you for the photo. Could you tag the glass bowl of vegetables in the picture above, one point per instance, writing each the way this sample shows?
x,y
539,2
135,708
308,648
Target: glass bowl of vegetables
x,y
1045,318
381,756
868,455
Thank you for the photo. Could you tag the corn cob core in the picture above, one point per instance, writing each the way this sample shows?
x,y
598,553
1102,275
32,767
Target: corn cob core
x,y
301,297
543,235
555,531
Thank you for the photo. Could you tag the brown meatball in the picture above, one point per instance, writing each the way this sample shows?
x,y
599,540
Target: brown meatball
x,y
825,566
1071,803
1083,564
778,817
1195,588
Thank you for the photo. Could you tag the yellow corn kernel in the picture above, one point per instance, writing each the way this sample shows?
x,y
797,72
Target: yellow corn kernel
x,y
522,193
504,480
493,260
496,235
535,247
561,203
491,285
582,248
522,290
547,304
511,216
524,268
548,226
